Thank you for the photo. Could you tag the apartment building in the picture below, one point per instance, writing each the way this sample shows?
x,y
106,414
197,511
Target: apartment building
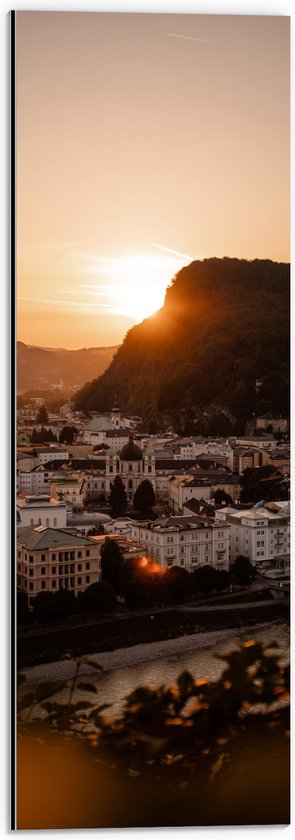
x,y
188,541
50,559
261,533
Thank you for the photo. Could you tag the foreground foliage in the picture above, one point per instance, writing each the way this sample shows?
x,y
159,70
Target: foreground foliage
x,y
195,714
194,753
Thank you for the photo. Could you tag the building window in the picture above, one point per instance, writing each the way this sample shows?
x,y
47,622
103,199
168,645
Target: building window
x,y
79,567
79,553
55,522
87,565
87,553
53,557
43,571
130,483
31,572
79,581
87,578
43,584
53,584
31,558
47,522
111,469
31,586
149,469
53,570
129,467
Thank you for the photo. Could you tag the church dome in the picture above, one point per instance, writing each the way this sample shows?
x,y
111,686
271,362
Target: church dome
x,y
131,452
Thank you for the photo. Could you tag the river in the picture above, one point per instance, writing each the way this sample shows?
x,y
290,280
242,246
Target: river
x,y
158,663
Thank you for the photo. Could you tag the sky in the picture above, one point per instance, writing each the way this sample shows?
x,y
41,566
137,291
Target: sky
x,y
144,141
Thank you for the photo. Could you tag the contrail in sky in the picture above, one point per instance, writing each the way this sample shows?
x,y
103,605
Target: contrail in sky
x,y
170,251
191,38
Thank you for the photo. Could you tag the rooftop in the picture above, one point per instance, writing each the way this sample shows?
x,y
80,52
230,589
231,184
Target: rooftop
x,y
41,538
38,501
98,424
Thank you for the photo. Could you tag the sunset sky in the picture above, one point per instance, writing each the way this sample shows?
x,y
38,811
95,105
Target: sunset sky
x,y
143,141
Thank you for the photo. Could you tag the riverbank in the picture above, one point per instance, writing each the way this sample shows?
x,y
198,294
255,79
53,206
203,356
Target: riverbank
x,y
136,631
140,654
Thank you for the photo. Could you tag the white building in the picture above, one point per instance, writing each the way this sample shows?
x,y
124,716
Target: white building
x,y
52,453
132,465
70,488
261,442
35,482
261,533
188,541
183,488
41,510
50,559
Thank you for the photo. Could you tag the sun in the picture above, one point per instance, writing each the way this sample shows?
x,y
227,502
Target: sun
x,y
134,284
141,284
139,301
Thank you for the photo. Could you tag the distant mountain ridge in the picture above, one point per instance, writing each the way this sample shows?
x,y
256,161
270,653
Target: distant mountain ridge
x,y
46,368
221,338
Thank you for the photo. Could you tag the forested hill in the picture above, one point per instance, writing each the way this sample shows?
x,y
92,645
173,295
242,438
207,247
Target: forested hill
x,y
224,325
46,368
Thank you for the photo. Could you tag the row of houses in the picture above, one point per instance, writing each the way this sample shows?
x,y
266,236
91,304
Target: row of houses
x,y
55,557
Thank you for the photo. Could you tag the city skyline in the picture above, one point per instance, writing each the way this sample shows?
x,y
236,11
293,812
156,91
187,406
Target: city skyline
x,y
144,141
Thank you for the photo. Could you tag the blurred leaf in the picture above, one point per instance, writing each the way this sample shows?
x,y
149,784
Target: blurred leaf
x,y
93,664
86,687
47,690
26,701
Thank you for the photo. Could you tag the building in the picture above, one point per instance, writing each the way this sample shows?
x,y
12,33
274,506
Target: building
x,y
83,522
182,488
267,422
49,559
70,488
261,533
132,465
41,510
188,541
95,431
261,441
246,458
52,453
34,482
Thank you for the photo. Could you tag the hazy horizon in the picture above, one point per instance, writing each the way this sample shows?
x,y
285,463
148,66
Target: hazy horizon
x,y
144,141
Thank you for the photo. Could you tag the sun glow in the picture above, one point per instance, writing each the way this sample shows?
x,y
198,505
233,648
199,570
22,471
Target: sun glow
x,y
136,283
